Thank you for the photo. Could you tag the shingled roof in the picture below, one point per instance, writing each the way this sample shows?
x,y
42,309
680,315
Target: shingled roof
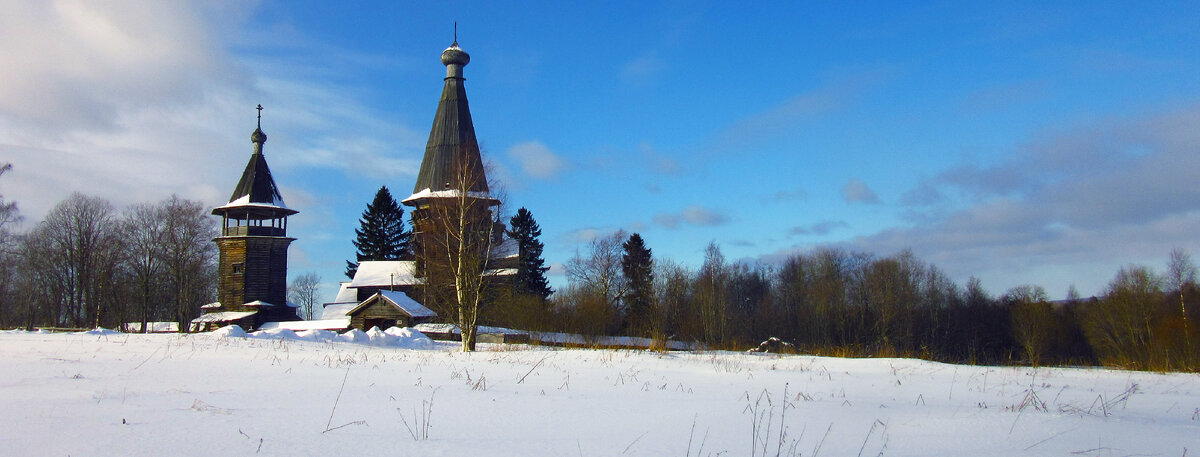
x,y
257,190
452,145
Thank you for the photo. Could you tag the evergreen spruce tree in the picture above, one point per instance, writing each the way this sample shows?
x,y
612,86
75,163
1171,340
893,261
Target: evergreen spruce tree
x,y
638,268
531,269
381,234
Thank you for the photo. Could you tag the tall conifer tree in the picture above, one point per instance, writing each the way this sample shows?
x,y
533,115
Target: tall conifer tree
x,y
381,234
638,268
531,269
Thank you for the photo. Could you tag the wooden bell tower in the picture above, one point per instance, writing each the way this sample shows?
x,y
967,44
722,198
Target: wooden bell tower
x,y
252,271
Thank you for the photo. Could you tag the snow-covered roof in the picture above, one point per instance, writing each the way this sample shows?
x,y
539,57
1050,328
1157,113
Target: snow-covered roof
x,y
501,272
507,247
452,193
409,305
336,310
244,201
345,293
383,273
400,300
223,316
213,305
263,304
323,324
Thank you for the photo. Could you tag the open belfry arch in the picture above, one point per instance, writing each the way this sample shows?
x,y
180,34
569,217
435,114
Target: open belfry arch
x,y
252,267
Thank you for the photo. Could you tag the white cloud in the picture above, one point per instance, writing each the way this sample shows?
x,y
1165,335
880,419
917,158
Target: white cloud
x,y
536,160
73,66
134,101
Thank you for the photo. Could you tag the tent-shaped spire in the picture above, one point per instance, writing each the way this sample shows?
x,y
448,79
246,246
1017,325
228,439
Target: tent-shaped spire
x,y
257,188
452,146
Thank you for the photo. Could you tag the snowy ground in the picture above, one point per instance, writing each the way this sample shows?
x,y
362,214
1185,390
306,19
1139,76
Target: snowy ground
x,y
118,394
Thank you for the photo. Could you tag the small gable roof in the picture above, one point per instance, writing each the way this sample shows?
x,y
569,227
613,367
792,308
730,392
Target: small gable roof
x,y
398,299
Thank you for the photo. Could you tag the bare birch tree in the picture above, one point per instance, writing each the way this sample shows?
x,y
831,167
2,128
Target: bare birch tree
x,y
1181,274
457,230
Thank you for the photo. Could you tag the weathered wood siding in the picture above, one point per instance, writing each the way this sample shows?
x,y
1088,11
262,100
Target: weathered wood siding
x,y
263,270
379,309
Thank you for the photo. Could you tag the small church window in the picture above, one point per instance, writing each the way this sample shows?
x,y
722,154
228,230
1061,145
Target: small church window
x,y
239,268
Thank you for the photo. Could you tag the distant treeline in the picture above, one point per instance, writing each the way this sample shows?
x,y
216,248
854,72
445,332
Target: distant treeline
x,y
832,301
88,264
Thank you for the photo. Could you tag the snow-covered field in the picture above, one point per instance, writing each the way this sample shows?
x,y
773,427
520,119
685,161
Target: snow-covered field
x,y
206,394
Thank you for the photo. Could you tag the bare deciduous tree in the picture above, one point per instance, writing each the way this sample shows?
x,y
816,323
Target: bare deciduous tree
x,y
710,298
189,256
9,217
456,232
143,228
1032,319
672,289
79,229
1120,327
303,292
598,279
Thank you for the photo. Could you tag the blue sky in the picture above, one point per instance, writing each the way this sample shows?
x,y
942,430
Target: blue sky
x,y
1017,142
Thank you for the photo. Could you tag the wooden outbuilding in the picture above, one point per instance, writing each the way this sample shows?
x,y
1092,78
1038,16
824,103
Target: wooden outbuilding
x,y
389,309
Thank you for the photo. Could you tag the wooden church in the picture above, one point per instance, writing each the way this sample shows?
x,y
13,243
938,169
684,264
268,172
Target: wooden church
x,y
451,188
252,266
450,198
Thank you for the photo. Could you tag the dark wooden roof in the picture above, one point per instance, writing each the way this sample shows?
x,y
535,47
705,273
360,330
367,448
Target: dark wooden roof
x,y
452,145
257,183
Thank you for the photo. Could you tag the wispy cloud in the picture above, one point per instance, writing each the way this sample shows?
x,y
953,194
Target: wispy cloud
x,y
1086,199
586,234
857,191
536,160
787,117
819,228
786,195
1004,96
693,215
642,69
